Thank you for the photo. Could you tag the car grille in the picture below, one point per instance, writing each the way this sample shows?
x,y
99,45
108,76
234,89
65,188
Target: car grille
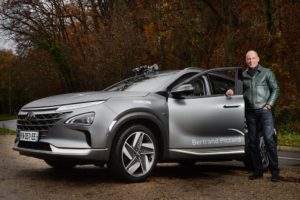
x,y
35,145
38,122
37,119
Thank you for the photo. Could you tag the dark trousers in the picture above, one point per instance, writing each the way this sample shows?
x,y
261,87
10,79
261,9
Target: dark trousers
x,y
264,119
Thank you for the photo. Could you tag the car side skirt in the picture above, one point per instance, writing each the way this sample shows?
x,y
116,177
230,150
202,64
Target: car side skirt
x,y
230,152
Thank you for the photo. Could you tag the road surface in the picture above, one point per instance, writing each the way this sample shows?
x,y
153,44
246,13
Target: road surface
x,y
9,124
29,178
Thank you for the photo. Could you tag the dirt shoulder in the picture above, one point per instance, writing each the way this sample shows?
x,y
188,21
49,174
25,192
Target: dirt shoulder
x,y
28,178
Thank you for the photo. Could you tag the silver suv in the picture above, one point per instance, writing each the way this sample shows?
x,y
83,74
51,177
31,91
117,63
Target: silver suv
x,y
152,117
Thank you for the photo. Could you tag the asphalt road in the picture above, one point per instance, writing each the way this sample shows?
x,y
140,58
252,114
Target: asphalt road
x,y
9,124
29,178
288,158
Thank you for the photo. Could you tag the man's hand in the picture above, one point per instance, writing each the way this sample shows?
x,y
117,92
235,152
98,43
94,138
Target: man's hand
x,y
267,107
229,92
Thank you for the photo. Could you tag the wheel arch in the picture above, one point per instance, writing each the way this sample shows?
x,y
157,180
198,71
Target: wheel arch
x,y
146,119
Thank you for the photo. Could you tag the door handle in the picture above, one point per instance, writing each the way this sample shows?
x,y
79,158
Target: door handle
x,y
231,106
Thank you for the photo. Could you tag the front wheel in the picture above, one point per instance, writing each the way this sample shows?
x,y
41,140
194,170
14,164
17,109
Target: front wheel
x,y
134,154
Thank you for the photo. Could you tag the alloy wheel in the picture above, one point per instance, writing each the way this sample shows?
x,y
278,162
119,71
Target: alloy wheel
x,y
138,154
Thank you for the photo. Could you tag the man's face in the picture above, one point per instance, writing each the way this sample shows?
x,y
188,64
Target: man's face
x,y
252,59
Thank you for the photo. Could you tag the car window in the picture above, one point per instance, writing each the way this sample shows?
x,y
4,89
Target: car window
x,y
220,84
199,87
181,79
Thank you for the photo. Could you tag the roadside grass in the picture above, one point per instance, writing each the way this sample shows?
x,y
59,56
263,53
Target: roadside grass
x,y
288,138
288,125
4,131
4,117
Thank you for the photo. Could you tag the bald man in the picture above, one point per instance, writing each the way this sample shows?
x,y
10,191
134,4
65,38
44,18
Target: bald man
x,y
260,93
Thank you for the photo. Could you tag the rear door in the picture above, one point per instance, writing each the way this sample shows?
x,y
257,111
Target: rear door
x,y
208,118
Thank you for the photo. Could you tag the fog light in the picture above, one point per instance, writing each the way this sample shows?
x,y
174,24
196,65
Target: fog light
x,y
83,119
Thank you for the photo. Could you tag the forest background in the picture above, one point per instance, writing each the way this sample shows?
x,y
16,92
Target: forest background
x,y
84,45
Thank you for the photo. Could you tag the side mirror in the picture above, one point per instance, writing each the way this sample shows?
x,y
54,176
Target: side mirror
x,y
182,90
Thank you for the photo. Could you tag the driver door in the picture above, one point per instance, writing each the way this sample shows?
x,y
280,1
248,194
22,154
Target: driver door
x,y
207,118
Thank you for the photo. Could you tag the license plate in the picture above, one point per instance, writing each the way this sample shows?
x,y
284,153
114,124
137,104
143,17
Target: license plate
x,y
30,136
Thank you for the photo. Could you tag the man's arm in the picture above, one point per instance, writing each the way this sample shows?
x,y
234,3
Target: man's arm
x,y
274,89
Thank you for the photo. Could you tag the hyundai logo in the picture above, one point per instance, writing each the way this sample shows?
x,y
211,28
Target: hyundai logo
x,y
30,116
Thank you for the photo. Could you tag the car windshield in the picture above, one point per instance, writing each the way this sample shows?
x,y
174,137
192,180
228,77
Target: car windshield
x,y
142,83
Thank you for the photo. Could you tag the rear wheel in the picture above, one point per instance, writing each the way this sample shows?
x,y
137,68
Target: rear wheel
x,y
135,154
263,153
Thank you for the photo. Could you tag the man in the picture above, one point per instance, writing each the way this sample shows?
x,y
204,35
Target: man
x,y
260,93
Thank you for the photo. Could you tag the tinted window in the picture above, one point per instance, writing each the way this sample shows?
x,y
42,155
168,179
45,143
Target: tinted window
x,y
199,87
181,79
219,84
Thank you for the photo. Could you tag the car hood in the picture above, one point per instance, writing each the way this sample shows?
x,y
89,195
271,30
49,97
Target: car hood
x,y
81,97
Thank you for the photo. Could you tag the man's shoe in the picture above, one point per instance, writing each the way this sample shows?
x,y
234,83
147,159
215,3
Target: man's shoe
x,y
275,178
255,176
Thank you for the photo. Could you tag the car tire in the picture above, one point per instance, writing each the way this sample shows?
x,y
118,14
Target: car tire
x,y
264,155
134,154
60,165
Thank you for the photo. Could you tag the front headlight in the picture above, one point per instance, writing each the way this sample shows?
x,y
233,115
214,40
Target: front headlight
x,y
78,105
83,119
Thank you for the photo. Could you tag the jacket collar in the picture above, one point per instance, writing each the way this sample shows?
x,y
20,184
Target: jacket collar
x,y
259,69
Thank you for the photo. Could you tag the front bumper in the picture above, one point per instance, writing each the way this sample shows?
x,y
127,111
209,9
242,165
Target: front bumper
x,y
60,141
77,155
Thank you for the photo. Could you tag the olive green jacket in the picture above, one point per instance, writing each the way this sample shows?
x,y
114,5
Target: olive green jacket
x,y
261,89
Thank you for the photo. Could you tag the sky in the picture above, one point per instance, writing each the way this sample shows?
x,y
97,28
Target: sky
x,y
5,43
